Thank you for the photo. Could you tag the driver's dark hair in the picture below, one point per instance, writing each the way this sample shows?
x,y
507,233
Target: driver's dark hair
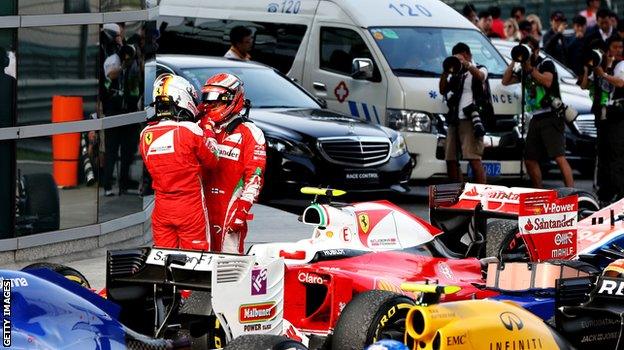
x,y
531,41
238,33
460,48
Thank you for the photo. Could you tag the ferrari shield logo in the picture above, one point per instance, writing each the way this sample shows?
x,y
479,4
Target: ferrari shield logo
x,y
149,137
364,222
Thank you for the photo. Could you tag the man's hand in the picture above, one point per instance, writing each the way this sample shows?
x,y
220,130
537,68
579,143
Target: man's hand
x,y
598,71
206,124
241,213
526,66
562,27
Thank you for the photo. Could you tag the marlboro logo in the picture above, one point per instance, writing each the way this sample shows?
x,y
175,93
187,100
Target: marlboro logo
x,y
257,312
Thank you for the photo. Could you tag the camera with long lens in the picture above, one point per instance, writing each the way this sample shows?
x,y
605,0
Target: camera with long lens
x,y
593,58
472,112
87,168
521,53
562,110
452,65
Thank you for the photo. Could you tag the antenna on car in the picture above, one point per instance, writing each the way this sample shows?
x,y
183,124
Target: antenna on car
x,y
326,193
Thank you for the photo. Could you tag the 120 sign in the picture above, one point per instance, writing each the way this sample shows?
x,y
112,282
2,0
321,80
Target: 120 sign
x,y
410,10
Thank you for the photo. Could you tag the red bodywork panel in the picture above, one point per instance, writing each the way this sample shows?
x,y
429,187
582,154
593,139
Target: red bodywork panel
x,y
316,293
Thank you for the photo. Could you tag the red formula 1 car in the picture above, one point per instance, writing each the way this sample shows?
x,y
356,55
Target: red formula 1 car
x,y
361,247
378,246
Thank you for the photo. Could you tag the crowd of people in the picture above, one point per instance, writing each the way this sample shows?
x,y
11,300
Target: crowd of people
x,y
593,49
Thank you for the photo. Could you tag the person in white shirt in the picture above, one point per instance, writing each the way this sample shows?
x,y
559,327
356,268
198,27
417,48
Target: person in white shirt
x,y
241,39
590,12
465,131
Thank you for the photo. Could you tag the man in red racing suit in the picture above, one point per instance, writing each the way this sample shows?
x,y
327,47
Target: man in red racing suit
x,y
175,150
234,185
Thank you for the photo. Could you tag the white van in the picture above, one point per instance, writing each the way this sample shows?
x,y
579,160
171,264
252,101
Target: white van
x,y
318,42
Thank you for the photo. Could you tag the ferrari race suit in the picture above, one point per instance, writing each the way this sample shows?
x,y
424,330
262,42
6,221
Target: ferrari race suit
x,y
234,185
175,154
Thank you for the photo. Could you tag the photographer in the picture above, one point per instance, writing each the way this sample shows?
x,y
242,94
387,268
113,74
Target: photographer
x,y
541,95
603,76
464,89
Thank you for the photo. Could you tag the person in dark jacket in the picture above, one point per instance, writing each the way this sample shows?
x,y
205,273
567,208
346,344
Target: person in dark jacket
x,y
554,42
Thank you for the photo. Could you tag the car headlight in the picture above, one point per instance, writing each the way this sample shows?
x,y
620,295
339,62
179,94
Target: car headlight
x,y
398,147
408,120
288,147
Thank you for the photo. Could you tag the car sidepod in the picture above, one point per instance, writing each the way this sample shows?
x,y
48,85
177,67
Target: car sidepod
x,y
248,297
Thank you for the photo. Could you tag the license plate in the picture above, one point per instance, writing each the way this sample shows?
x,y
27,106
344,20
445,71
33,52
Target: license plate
x,y
362,177
491,169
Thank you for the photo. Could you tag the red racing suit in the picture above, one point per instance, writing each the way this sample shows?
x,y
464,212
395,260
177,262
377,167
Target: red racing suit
x,y
175,154
234,185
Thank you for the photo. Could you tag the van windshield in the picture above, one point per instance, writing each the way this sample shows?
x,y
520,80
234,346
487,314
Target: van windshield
x,y
420,51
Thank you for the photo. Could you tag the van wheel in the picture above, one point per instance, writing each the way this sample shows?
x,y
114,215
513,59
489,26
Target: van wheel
x,y
68,272
369,317
264,342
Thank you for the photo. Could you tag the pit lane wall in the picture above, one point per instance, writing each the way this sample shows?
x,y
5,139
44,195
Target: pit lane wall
x,y
91,241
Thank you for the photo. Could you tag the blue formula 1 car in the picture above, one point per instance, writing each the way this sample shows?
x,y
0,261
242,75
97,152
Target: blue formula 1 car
x,y
44,310
46,306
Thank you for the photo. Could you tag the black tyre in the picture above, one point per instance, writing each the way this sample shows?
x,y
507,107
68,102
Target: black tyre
x,y
264,342
496,233
212,332
369,317
587,201
42,201
69,272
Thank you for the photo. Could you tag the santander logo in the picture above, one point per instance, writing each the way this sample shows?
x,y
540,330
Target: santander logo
x,y
528,226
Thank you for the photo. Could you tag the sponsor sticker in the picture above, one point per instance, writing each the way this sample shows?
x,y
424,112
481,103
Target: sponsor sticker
x,y
364,222
149,137
611,287
198,261
511,321
311,278
548,225
445,270
258,281
254,313
228,152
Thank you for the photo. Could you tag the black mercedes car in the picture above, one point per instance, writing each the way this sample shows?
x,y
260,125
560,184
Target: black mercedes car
x,y
307,145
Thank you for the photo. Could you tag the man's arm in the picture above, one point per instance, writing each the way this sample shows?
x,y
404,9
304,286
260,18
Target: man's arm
x,y
207,151
508,76
255,162
443,83
254,158
583,80
543,78
617,79
479,73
